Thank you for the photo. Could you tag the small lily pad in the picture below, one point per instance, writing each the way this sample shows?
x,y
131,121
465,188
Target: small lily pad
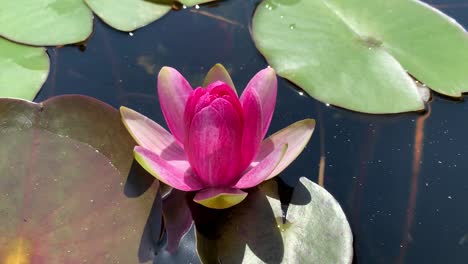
x,y
356,53
315,229
45,22
23,70
128,15
66,190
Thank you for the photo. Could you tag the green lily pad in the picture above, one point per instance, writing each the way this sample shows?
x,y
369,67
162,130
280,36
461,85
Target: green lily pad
x,y
316,229
67,194
23,70
45,22
128,15
356,53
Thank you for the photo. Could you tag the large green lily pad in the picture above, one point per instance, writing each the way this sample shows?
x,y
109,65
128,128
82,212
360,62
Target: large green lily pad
x,y
356,53
65,196
45,22
315,231
23,70
128,15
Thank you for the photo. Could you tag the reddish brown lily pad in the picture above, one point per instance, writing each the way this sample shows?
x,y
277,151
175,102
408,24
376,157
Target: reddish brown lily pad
x,y
65,191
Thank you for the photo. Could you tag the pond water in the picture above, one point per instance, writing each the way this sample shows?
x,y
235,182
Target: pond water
x,y
401,179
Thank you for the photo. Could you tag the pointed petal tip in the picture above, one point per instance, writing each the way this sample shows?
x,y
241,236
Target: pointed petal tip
x,y
166,73
166,70
124,111
219,65
309,122
270,70
267,73
218,73
219,198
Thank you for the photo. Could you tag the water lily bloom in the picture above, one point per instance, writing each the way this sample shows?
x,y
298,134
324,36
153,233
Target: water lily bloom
x,y
216,147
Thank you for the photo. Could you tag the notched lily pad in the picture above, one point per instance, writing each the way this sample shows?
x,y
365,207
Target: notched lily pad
x,y
65,197
315,229
23,70
45,22
61,22
356,53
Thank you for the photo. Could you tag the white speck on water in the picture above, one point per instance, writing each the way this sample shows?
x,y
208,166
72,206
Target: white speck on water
x,y
301,93
184,7
450,197
130,33
440,162
197,7
327,104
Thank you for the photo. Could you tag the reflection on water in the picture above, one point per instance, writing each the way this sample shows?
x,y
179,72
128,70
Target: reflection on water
x,y
401,179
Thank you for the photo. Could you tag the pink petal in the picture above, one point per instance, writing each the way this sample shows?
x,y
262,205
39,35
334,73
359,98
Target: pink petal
x,y
151,135
296,136
203,97
213,147
265,85
260,172
191,105
219,73
219,198
173,92
175,177
253,129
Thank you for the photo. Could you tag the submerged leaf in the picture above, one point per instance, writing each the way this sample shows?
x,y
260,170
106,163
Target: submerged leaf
x,y
355,53
68,194
23,70
45,22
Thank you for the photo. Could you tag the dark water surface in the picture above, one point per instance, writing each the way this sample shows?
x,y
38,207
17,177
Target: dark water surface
x,y
402,180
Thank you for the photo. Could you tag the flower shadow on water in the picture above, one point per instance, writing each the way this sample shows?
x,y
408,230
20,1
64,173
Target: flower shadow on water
x,y
138,182
238,234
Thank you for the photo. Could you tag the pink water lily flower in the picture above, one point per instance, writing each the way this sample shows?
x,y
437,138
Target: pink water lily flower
x,y
216,147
